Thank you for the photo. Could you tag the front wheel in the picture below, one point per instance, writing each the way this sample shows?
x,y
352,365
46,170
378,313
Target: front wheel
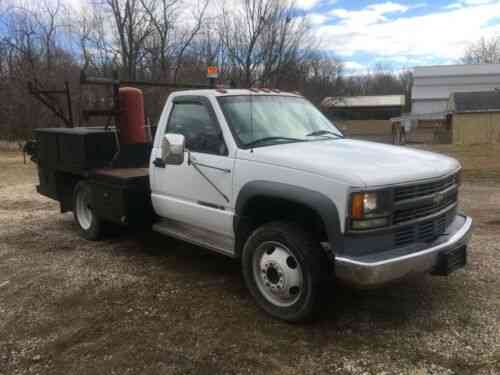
x,y
283,267
88,222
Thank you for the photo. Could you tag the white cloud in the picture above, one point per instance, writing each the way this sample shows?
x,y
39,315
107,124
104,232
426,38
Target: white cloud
x,y
316,18
444,34
388,7
477,2
375,13
454,6
353,67
306,4
464,3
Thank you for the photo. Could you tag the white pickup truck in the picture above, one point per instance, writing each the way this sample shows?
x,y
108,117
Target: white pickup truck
x,y
263,176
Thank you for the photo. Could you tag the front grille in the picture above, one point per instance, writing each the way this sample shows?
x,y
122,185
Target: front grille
x,y
416,208
424,210
425,231
420,190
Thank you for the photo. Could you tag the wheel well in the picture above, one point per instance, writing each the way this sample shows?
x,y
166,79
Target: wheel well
x,y
260,210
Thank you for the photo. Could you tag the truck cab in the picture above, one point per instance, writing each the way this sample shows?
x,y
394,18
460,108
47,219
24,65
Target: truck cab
x,y
264,177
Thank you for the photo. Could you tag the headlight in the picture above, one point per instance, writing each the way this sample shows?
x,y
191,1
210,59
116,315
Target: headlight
x,y
368,210
370,202
364,205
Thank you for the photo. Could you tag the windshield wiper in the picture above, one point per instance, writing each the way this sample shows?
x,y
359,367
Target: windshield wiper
x,y
324,132
266,139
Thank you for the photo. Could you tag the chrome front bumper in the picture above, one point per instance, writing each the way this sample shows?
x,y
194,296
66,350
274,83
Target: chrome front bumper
x,y
390,265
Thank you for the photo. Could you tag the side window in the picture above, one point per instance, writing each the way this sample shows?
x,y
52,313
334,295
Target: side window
x,y
194,122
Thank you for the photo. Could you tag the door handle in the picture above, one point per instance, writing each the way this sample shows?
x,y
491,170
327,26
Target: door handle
x,y
159,163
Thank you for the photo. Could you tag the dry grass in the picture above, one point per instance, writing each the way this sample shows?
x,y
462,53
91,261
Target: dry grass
x,y
480,162
13,170
9,146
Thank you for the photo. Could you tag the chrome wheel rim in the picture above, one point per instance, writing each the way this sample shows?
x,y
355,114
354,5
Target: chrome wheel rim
x,y
83,210
278,274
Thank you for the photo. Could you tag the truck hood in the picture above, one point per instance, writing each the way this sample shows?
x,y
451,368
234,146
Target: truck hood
x,y
358,163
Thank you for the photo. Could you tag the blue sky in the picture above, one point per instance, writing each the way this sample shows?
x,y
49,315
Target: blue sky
x,y
400,34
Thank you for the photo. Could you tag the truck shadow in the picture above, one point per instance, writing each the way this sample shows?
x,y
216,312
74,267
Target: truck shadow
x,y
392,305
204,292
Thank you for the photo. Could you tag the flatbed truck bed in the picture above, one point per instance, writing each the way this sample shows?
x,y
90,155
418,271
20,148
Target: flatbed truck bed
x,y
119,179
127,177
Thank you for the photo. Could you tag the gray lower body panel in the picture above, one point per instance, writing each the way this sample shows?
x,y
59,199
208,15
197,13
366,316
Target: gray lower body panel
x,y
197,236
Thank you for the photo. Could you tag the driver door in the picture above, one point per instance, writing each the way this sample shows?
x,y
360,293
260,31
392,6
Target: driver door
x,y
197,192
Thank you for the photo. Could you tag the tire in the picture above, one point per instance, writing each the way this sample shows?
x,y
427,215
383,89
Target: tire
x,y
284,268
89,224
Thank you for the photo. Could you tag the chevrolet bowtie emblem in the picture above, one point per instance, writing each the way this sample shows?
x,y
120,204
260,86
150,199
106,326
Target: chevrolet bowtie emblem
x,y
438,198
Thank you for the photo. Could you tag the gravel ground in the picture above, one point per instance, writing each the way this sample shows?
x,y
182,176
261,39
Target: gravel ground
x,y
141,303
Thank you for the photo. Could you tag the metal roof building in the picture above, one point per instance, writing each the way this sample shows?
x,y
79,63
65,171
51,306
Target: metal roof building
x,y
433,85
366,117
475,117
470,102
381,107
364,101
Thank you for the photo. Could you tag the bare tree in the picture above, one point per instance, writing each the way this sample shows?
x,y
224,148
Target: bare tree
x,y
33,35
284,42
320,75
98,52
406,79
162,15
49,28
133,27
484,51
241,30
186,37
252,41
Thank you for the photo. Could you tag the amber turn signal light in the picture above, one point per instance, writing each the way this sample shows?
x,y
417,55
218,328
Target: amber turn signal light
x,y
357,205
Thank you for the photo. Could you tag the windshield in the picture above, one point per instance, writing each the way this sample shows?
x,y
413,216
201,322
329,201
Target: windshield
x,y
266,120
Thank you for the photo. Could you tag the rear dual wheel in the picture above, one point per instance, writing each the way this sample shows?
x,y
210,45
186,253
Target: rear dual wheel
x,y
89,224
284,267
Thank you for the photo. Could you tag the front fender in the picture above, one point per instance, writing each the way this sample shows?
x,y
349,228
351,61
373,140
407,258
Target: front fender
x,y
316,201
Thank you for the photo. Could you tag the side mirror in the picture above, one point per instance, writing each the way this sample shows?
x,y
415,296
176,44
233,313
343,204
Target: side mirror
x,y
172,149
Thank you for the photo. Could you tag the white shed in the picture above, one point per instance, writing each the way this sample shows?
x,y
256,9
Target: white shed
x,y
433,85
